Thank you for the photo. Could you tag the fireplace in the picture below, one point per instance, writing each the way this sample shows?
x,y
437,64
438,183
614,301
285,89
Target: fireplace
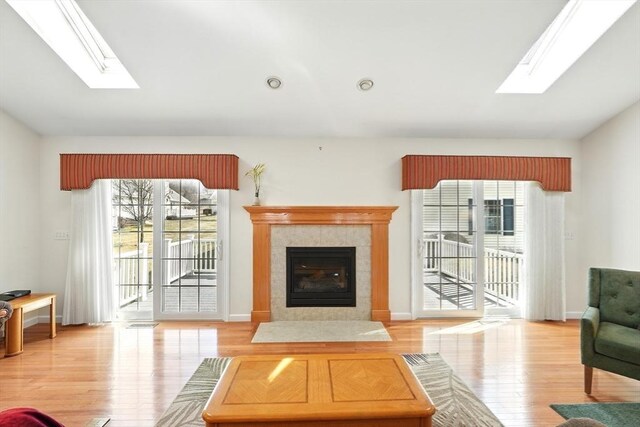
x,y
321,277
275,228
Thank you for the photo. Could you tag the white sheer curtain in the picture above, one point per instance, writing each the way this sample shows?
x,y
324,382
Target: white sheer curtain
x,y
89,294
544,254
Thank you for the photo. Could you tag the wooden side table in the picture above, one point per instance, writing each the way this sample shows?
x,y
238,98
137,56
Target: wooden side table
x,y
339,390
13,331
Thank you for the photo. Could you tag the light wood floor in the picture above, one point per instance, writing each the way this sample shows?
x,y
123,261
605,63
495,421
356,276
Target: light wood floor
x,y
132,375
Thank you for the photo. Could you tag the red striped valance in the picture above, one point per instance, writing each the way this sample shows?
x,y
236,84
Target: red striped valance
x,y
219,171
423,172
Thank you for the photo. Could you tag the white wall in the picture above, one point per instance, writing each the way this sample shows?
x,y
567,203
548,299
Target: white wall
x,y
611,194
601,212
300,172
19,206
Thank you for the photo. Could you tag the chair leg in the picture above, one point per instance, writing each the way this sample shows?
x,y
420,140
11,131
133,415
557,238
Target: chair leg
x,y
588,376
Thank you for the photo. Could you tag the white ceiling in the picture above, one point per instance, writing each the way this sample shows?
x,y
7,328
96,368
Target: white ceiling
x,y
202,65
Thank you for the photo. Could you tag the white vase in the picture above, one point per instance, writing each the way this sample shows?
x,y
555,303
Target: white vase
x,y
256,200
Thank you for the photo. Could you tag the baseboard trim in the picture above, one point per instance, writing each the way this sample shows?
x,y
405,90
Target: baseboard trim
x,y
574,314
401,316
40,319
30,322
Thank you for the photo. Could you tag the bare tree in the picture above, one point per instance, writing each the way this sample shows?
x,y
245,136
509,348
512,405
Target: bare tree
x,y
135,198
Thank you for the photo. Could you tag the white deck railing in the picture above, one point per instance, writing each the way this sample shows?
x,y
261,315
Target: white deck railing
x,y
193,259
503,273
132,271
179,259
206,262
502,269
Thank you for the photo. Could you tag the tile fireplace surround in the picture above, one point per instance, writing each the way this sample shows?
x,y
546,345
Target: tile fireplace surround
x,y
365,227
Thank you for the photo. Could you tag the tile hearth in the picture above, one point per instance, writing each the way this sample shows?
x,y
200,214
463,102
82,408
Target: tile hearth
x,y
321,331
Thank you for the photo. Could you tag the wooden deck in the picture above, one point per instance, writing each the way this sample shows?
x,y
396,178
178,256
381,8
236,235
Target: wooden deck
x,y
175,297
441,293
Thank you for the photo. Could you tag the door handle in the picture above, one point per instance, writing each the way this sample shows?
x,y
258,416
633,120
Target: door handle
x,y
219,249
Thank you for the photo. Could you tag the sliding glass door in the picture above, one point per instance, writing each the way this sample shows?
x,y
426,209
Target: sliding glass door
x,y
169,238
191,253
468,250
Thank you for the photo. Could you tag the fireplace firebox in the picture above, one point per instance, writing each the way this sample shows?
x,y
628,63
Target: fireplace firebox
x,y
321,277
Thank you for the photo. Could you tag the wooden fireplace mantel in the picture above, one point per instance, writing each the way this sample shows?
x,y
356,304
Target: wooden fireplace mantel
x,y
263,217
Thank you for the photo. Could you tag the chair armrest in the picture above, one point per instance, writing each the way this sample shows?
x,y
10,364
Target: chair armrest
x,y
589,324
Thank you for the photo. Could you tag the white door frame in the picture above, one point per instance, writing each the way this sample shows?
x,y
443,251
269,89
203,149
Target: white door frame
x,y
417,249
222,250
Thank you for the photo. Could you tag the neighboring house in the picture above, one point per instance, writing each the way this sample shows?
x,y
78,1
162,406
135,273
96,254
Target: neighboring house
x,y
177,205
503,217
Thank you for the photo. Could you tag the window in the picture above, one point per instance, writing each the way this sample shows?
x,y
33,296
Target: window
x,y
68,31
498,217
492,216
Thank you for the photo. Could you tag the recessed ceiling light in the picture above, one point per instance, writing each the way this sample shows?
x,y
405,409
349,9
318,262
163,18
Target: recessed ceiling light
x,y
68,31
365,84
576,28
274,82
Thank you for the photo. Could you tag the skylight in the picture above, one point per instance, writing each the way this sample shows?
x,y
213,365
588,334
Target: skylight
x,y
572,32
68,31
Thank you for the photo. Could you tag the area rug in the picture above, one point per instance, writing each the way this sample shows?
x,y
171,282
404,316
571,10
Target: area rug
x,y
456,405
611,414
320,331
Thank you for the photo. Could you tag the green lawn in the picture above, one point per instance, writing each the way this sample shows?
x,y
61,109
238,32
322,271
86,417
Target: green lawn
x,y
126,238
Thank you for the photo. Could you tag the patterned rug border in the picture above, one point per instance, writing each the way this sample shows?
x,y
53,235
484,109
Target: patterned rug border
x,y
456,404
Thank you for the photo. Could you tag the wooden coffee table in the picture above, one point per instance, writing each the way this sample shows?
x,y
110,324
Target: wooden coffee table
x,y
375,390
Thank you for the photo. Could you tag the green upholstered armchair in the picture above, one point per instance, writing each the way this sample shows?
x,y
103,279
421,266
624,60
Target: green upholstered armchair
x,y
609,334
